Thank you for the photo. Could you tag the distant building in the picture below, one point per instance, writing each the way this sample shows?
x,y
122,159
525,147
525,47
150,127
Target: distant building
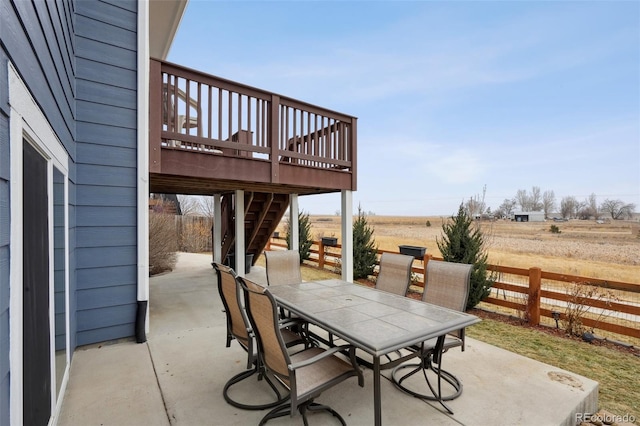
x,y
528,217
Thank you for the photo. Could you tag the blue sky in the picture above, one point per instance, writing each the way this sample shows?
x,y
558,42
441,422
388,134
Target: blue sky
x,y
450,96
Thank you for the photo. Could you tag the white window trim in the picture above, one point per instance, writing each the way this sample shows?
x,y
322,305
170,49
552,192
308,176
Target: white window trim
x,y
27,122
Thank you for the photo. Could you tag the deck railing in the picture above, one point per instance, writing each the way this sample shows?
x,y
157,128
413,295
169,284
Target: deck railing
x,y
198,112
536,296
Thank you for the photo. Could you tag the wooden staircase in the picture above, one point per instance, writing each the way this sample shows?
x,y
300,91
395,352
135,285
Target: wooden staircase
x,y
263,212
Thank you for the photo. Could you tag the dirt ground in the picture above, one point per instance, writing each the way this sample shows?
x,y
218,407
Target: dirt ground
x,y
609,250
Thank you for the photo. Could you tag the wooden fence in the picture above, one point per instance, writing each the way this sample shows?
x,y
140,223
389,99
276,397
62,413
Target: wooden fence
x,y
536,296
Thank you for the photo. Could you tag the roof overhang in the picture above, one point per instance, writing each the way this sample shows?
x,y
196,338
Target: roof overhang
x,y
164,20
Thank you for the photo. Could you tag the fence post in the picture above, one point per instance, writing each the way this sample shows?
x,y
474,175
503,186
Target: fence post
x,y
533,301
320,254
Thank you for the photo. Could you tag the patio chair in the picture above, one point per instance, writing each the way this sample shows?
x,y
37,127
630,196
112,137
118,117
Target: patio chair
x,y
239,329
283,267
447,285
395,273
307,373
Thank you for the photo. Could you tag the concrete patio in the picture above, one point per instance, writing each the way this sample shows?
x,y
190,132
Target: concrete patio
x,y
177,376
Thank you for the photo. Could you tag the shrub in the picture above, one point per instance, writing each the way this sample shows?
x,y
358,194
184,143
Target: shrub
x,y
581,295
304,237
162,243
194,233
554,229
428,223
364,248
463,242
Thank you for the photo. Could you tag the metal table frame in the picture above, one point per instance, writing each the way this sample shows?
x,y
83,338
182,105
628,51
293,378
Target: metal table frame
x,y
374,321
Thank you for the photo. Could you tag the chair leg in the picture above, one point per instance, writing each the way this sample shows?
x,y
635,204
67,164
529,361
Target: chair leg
x,y
244,375
279,411
436,394
313,406
309,406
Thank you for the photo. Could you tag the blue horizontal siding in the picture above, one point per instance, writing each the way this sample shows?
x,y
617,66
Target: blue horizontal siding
x,y
90,257
107,216
102,236
92,195
112,14
106,177
107,155
107,296
90,174
106,94
62,32
55,54
26,42
95,51
129,5
107,114
107,276
106,74
106,135
106,316
104,334
107,33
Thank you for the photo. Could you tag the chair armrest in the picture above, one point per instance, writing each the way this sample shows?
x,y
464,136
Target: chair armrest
x,y
326,353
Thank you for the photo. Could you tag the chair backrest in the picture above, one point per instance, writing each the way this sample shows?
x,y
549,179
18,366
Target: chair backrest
x,y
283,267
263,314
447,284
231,295
394,275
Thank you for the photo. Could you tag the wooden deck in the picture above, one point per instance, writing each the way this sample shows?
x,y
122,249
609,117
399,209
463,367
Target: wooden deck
x,y
210,135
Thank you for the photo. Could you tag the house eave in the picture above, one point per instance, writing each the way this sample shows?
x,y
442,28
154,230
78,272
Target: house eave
x,y
164,21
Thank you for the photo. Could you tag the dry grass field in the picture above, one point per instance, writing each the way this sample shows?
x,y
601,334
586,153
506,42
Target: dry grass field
x,y
609,250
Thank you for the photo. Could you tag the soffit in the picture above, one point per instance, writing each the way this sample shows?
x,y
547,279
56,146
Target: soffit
x,y
164,20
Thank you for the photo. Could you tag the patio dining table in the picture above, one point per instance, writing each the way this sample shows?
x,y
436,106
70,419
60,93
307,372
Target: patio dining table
x,y
374,321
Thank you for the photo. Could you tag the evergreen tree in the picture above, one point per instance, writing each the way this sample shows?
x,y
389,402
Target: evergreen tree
x,y
463,242
304,237
364,247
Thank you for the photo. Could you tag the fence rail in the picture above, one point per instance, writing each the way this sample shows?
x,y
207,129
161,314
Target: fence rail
x,y
537,296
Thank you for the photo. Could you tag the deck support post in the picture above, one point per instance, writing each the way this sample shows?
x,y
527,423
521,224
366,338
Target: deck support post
x,y
217,228
239,225
294,229
347,235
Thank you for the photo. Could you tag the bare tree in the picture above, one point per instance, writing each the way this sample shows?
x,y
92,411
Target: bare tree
x,y
475,206
617,209
506,208
589,208
548,203
189,204
529,201
522,199
206,206
569,207
536,199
